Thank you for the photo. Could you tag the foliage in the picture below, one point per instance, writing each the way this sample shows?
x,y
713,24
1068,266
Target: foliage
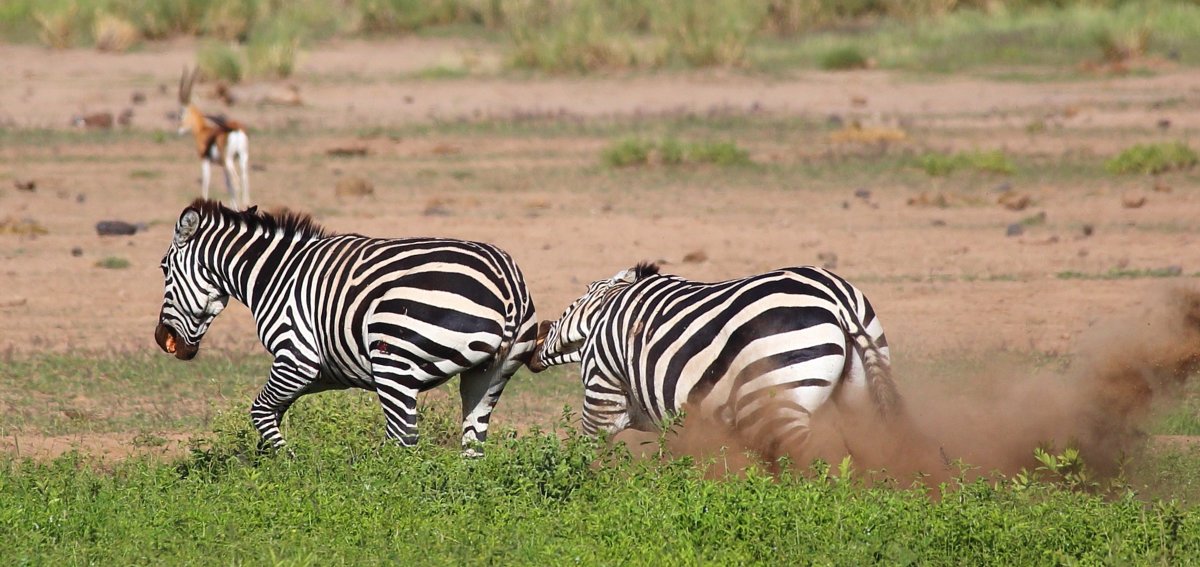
x,y
1152,158
345,496
627,152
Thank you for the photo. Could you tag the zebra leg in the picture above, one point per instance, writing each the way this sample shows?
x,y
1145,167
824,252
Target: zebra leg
x,y
288,380
397,389
605,405
232,183
480,389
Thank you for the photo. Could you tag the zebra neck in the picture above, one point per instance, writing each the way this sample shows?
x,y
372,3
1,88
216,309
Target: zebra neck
x,y
252,266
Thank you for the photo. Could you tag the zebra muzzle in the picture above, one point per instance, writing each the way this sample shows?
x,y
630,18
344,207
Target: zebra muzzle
x,y
171,343
535,363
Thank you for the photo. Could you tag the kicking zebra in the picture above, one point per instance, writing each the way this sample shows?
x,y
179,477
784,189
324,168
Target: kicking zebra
x,y
342,310
758,355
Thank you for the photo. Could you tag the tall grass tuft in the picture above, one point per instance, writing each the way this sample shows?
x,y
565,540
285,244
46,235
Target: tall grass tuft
x,y
114,33
712,33
219,61
56,24
271,52
570,37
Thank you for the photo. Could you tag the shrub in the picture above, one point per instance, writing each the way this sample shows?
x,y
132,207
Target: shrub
x,y
1152,158
56,26
709,33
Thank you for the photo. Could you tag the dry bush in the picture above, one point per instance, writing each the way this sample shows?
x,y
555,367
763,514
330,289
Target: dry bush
x,y
114,33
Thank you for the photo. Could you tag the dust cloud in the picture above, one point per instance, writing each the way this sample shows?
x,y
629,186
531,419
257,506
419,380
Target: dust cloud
x,y
991,414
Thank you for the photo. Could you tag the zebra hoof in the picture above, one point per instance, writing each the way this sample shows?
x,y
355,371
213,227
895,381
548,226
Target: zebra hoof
x,y
472,453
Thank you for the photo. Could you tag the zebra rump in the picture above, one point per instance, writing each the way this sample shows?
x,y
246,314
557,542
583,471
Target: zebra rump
x,y
395,316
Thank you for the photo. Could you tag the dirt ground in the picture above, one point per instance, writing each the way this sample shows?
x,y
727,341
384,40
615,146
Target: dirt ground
x,y
943,279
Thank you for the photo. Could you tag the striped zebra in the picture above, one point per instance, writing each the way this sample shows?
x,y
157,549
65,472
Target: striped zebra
x,y
346,311
758,354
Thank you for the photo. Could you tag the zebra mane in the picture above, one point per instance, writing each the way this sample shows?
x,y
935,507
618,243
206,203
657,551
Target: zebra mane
x,y
284,220
645,269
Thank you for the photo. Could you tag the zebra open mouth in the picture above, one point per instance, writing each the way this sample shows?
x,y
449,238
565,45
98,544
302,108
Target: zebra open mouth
x,y
171,343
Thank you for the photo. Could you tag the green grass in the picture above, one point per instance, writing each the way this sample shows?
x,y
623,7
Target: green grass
x,y
942,164
629,152
113,263
537,498
218,61
1152,159
1122,274
843,58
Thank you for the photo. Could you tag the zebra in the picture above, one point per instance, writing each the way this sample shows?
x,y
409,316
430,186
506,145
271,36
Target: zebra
x,y
337,311
758,355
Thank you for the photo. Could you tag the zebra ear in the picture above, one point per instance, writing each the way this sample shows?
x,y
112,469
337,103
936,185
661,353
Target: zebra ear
x,y
189,221
627,276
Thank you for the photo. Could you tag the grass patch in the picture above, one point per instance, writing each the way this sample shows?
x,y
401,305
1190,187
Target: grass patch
x,y
941,164
1152,159
1123,274
113,263
843,58
670,151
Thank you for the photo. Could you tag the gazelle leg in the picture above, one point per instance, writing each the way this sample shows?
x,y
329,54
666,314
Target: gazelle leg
x,y
232,183
244,170
205,175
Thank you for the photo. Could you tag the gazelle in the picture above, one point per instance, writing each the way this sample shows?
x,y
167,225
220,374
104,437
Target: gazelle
x,y
218,140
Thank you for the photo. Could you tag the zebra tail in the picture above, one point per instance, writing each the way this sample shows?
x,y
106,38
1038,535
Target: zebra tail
x,y
880,384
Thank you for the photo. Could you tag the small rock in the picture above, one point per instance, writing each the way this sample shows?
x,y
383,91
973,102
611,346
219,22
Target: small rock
x,y
845,204
354,187
926,199
446,150
937,222
126,117
862,193
94,121
13,302
1083,252
835,121
115,228
80,198
1161,186
1003,187
257,167
438,207
829,260
1088,230
408,99
695,257
1015,201
1015,229
1133,200
1164,124
77,251
858,101
138,97
30,185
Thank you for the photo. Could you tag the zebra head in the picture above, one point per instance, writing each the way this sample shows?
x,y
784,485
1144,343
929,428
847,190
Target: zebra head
x,y
192,297
561,341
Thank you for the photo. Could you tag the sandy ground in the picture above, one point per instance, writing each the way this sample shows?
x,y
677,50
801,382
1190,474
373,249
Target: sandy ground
x,y
942,279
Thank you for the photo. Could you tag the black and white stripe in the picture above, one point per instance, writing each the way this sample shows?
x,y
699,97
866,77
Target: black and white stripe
x,y
346,311
759,354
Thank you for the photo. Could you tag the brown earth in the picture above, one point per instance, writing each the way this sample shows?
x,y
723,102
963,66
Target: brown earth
x,y
943,279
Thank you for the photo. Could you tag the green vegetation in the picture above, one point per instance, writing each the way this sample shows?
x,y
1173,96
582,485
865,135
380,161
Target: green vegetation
x,y
592,35
940,164
113,263
1152,158
219,61
1123,273
636,151
345,497
843,58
